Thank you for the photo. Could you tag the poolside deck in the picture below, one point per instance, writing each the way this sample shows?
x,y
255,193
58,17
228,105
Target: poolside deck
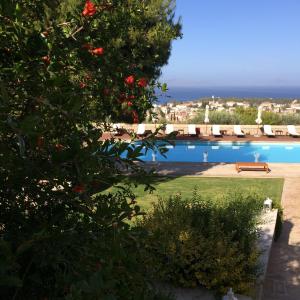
x,y
205,132
277,170
225,138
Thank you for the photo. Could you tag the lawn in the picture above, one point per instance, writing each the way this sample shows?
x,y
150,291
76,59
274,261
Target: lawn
x,y
208,186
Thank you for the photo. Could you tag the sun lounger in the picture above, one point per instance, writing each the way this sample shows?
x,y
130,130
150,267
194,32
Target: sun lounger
x,y
216,130
116,126
292,131
117,129
141,130
192,129
268,131
169,128
252,166
237,131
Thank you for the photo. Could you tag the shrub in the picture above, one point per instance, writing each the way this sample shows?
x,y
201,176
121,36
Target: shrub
x,y
289,119
66,66
86,256
203,242
217,117
247,116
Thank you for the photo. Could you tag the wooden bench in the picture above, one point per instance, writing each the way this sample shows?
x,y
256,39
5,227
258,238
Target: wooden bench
x,y
252,166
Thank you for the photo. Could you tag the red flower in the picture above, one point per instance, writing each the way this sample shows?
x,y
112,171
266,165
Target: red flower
x,y
78,188
129,80
142,82
46,59
129,103
135,117
82,85
97,51
131,97
59,147
89,9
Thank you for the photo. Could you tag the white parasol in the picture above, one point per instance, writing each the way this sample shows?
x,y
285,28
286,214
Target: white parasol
x,y
258,120
206,119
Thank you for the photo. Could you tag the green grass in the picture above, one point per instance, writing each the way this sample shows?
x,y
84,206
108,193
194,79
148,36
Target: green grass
x,y
210,187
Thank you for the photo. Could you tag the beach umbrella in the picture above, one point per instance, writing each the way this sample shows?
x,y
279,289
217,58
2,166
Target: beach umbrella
x,y
258,120
206,119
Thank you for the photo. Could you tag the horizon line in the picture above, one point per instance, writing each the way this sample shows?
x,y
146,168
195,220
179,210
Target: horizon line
x,y
234,86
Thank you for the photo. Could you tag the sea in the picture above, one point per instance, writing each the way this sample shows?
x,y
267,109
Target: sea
x,y
195,93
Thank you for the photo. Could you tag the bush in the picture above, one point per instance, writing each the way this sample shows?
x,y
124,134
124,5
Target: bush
x,y
66,66
201,242
83,257
217,117
247,116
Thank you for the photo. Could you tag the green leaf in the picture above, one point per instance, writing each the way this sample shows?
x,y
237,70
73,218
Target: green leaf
x,y
164,87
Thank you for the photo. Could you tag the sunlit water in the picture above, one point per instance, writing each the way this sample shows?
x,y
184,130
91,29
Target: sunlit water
x,y
228,152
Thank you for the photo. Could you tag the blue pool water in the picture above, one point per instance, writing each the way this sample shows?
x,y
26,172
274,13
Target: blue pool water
x,y
228,152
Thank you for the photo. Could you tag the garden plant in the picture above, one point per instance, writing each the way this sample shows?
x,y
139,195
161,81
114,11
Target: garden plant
x,y
199,241
247,116
67,70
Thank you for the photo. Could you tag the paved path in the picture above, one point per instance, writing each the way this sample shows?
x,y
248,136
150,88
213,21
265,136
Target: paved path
x,y
283,274
224,169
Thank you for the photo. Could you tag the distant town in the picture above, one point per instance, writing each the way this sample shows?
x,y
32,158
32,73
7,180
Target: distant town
x,y
183,111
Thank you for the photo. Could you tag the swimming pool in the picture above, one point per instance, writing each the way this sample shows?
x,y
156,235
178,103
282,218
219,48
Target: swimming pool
x,y
228,152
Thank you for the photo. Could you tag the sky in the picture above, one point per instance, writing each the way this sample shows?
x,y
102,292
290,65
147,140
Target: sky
x,y
236,43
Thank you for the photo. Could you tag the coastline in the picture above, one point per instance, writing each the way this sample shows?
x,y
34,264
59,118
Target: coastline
x,y
245,93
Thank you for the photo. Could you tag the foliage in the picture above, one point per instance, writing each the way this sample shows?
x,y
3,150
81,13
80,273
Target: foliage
x,y
290,119
66,69
54,63
204,242
280,119
247,116
216,117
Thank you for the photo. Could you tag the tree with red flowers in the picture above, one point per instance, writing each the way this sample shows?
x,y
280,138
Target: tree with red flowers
x,y
64,67
89,9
